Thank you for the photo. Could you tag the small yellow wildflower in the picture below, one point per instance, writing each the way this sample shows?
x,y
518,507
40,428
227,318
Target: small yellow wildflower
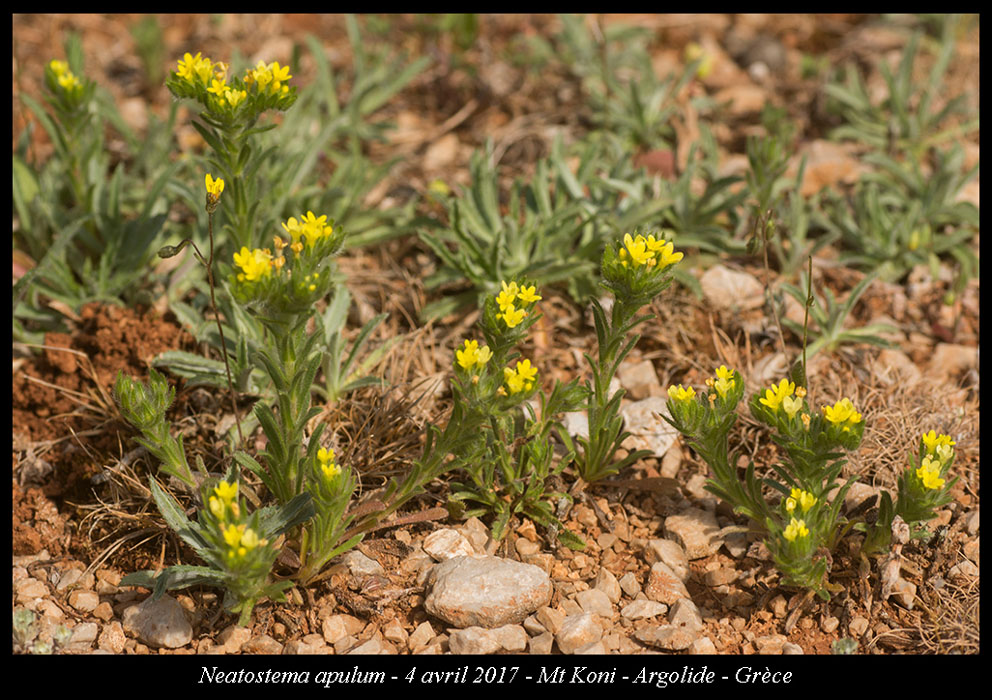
x,y
249,539
218,87
512,316
235,97
483,355
214,187
773,397
255,263
521,379
667,256
724,381
790,504
932,439
529,295
637,249
506,297
792,405
327,465
677,393
944,453
187,65
796,528
842,412
929,474
58,67
805,499
466,356
226,492
217,507
232,534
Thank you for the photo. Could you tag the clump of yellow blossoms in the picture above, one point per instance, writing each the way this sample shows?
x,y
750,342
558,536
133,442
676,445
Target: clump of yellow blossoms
x,y
262,87
65,78
774,397
508,301
327,465
310,227
520,379
677,393
842,414
804,499
795,528
472,355
650,251
224,501
255,264
241,539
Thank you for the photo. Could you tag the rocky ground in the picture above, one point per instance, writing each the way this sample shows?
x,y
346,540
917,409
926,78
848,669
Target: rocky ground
x,y
667,567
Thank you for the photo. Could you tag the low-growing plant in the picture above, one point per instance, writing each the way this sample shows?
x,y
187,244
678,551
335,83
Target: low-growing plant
x,y
555,228
798,507
907,119
829,318
24,624
86,228
634,273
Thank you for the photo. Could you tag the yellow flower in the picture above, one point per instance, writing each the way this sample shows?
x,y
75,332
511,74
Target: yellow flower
x,y
187,65
680,394
313,227
256,264
512,316
805,499
327,465
226,492
790,504
528,294
235,97
217,507
232,534
467,356
506,297
69,82
521,379
842,412
214,187
667,256
483,356
773,397
796,528
944,453
58,67
637,249
792,405
217,87
929,474
249,540
932,440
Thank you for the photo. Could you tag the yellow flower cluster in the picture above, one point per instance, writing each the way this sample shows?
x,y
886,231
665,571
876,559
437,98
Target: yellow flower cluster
x,y
723,382
804,499
648,251
677,393
241,539
224,501
795,528
785,395
310,227
520,379
269,78
939,452
843,414
327,465
471,355
507,299
65,77
254,264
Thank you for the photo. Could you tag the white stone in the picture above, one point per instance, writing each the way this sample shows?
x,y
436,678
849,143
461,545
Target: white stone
x,y
664,585
729,290
595,601
473,640
158,623
578,631
642,609
360,565
671,553
696,530
608,584
485,592
648,430
446,544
